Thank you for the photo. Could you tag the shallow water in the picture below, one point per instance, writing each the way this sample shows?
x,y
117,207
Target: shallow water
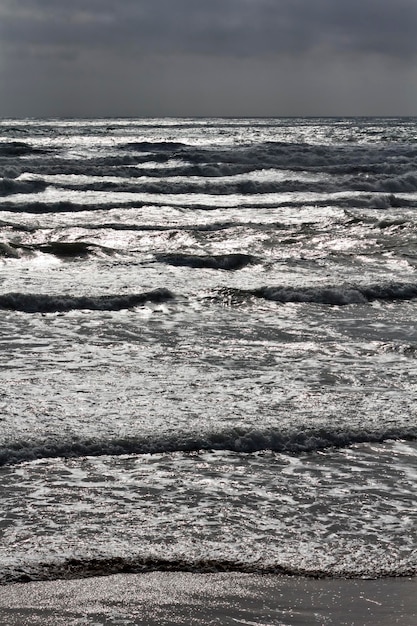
x,y
208,346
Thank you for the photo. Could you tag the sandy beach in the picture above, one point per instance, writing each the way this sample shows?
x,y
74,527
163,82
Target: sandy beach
x,y
160,598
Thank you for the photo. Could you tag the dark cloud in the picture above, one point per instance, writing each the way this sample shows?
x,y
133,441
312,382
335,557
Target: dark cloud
x,y
251,27
301,36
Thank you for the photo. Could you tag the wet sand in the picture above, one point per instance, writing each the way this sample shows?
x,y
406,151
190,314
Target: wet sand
x,y
161,598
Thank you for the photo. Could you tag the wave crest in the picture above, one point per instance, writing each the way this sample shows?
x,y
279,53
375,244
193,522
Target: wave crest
x,y
217,262
239,439
44,303
154,146
78,567
9,186
340,295
18,148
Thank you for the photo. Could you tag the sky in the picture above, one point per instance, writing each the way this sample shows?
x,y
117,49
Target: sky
x,y
133,58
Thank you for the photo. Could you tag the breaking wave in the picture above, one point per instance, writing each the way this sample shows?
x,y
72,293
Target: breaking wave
x,y
60,249
69,249
217,262
171,184
211,227
154,146
405,183
18,148
86,567
66,206
8,251
385,168
44,303
238,439
9,186
241,187
328,295
333,295
339,159
191,203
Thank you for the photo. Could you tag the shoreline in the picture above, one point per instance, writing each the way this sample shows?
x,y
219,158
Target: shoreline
x,y
181,598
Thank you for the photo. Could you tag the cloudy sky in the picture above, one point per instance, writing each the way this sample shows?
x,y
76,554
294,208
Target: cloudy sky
x,y
208,57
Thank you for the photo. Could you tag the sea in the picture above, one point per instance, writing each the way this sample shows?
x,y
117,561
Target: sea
x,y
208,347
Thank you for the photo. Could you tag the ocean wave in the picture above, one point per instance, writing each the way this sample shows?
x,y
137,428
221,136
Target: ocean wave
x,y
173,181
212,227
207,202
395,222
389,167
241,187
340,295
157,227
405,183
203,170
125,168
202,179
321,294
27,228
9,186
361,201
69,249
45,303
216,261
8,251
60,249
86,567
13,130
54,164
377,176
66,206
346,158
153,146
18,148
239,439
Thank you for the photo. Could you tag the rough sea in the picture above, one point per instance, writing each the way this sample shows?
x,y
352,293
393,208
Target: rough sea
x,y
208,346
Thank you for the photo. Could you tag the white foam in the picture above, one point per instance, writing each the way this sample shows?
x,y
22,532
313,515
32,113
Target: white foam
x,y
212,511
